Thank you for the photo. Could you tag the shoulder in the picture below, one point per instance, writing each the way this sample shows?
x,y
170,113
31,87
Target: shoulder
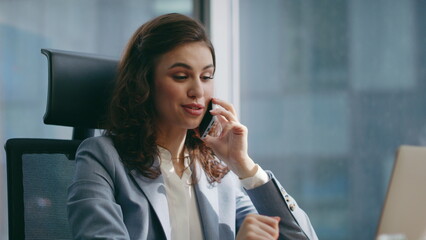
x,y
100,149
101,141
97,144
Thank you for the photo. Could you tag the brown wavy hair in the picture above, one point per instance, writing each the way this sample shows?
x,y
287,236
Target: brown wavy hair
x,y
131,122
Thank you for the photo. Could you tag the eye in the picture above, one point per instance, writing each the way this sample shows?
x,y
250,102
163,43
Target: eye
x,y
207,77
180,77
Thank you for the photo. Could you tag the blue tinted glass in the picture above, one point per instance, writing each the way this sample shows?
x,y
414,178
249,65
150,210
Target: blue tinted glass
x,y
329,90
26,26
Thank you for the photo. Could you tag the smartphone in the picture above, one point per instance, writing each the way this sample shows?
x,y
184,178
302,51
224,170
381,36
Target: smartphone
x,y
208,122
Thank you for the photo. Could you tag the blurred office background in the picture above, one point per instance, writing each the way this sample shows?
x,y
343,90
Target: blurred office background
x,y
328,89
92,26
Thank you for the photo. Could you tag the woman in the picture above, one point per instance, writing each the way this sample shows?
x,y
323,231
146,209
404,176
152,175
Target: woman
x,y
151,176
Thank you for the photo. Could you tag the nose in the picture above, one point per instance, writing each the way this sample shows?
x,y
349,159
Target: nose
x,y
196,89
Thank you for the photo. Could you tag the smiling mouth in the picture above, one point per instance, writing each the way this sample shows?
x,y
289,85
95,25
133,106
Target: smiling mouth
x,y
194,109
193,106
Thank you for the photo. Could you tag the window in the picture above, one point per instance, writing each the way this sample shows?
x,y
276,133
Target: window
x,y
26,26
329,90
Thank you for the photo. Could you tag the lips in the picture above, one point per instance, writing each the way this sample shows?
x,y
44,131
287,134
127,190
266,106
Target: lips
x,y
193,109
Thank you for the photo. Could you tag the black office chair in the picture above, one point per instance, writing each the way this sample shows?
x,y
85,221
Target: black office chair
x,y
39,170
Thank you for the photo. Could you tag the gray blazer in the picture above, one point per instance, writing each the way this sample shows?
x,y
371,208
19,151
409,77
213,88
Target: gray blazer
x,y
106,200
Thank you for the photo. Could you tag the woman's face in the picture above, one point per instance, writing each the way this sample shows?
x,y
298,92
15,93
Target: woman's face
x,y
183,86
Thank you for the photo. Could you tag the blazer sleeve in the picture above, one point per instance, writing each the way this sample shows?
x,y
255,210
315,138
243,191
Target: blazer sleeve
x,y
271,199
92,210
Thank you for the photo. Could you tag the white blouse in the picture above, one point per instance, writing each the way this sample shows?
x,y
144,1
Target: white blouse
x,y
183,211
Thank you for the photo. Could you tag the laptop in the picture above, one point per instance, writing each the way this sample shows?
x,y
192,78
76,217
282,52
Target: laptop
x,y
404,212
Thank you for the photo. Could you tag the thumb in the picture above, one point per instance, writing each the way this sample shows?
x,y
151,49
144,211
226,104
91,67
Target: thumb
x,y
208,140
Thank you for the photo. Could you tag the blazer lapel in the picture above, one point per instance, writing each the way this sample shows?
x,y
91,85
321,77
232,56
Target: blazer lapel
x,y
208,206
155,192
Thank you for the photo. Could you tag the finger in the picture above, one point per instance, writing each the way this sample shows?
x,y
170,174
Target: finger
x,y
225,130
233,127
239,129
272,221
268,229
212,141
258,233
222,120
260,226
269,225
224,104
225,113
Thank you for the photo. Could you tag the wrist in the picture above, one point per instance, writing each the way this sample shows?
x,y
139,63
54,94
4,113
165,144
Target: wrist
x,y
249,170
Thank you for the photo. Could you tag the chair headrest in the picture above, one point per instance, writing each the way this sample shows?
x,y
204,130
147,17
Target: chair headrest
x,y
80,86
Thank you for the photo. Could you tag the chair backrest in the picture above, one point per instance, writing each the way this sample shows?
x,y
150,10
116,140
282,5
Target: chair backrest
x,y
38,173
79,90
40,170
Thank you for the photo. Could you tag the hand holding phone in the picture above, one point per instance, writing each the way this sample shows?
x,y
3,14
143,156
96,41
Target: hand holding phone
x,y
232,145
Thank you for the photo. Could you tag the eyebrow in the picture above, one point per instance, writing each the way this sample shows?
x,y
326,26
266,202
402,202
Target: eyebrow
x,y
184,65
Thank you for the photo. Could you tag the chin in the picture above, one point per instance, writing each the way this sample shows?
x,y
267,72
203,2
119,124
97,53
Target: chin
x,y
193,125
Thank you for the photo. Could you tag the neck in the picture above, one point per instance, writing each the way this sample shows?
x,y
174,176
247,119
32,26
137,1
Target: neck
x,y
173,141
